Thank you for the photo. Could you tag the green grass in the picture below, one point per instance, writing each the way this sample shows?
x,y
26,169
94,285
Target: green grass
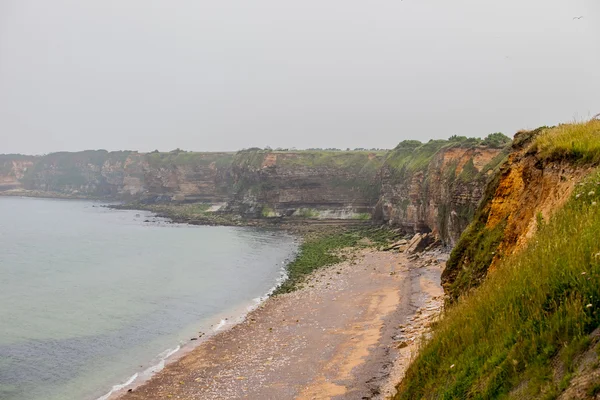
x,y
322,249
537,307
469,261
308,213
594,390
188,158
411,155
471,257
268,212
469,172
359,162
576,142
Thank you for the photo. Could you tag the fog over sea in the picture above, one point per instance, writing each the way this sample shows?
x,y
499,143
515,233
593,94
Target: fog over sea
x,y
91,297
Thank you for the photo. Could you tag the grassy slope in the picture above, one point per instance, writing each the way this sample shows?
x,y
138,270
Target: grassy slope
x,y
538,307
470,259
576,142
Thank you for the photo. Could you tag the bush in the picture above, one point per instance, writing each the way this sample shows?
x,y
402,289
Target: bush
x,y
496,140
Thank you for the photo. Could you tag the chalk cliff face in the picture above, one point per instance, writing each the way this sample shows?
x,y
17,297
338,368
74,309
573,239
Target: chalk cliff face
x,y
418,187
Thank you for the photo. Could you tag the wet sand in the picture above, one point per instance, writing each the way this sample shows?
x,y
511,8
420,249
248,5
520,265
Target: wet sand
x,y
349,333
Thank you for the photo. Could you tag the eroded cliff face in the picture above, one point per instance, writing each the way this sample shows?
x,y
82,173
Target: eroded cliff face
x,y
525,191
441,193
319,184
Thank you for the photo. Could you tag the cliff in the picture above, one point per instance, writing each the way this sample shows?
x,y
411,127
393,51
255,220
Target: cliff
x,y
523,281
122,175
431,187
306,184
12,170
436,186
528,188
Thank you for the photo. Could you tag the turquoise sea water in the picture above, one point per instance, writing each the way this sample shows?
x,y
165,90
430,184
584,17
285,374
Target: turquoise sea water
x,y
91,296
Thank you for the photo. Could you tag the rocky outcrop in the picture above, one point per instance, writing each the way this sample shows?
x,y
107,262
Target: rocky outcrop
x,y
435,187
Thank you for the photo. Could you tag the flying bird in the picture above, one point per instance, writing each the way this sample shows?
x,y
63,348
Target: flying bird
x,y
578,17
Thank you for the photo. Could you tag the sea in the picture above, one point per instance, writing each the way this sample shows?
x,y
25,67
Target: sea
x,y
93,299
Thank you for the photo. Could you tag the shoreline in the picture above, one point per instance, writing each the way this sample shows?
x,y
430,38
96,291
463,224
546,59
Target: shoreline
x,y
227,320
381,358
234,317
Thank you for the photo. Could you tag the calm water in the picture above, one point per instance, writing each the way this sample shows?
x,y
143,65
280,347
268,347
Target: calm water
x,y
90,296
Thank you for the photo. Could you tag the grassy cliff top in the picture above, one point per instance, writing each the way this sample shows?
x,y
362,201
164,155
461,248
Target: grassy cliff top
x,y
353,160
181,158
412,155
577,142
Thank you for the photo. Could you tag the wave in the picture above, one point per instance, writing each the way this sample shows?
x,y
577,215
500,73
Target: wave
x,y
147,373
116,388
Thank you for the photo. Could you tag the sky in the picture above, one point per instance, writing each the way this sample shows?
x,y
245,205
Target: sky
x,y
226,75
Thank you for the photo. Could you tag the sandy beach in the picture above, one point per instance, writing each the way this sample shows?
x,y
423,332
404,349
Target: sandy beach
x,y
348,333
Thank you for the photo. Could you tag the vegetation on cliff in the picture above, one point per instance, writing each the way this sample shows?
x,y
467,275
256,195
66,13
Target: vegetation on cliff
x,y
576,142
412,155
353,161
188,158
537,309
573,144
470,258
520,332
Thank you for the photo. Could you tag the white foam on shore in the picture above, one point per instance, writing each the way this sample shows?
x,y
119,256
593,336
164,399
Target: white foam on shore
x,y
116,388
147,373
220,325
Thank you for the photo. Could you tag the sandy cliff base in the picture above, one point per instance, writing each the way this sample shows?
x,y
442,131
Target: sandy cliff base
x,y
348,334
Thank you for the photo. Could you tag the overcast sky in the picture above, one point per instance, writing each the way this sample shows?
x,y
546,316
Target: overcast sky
x,y
225,75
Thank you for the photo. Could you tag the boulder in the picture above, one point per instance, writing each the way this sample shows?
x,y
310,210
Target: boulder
x,y
420,242
396,245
